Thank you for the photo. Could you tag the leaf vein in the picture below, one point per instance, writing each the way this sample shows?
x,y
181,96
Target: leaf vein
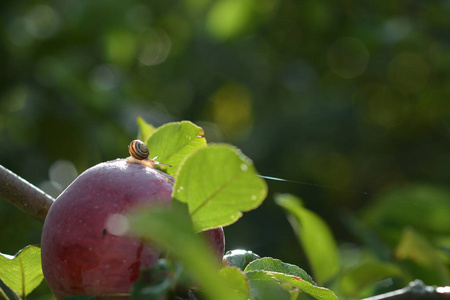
x,y
215,193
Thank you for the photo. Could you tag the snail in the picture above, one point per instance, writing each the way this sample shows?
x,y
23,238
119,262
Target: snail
x,y
138,149
140,155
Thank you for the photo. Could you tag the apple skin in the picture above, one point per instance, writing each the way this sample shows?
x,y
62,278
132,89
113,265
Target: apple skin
x,y
215,239
84,246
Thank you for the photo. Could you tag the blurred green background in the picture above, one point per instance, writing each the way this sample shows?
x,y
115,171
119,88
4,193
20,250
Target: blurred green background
x,y
351,97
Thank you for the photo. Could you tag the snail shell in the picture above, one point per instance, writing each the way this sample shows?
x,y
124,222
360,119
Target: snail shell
x,y
138,149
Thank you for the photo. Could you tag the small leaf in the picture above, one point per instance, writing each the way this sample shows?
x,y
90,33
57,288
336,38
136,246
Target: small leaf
x,y
145,130
236,281
171,230
239,258
22,273
218,183
315,237
172,142
358,278
276,265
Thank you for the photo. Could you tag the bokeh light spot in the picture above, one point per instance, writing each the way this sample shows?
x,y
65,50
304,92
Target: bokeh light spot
x,y
348,57
117,224
380,104
14,100
228,18
155,47
232,109
62,173
408,72
42,22
121,47
396,29
104,78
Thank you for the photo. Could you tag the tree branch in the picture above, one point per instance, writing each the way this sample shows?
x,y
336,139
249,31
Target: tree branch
x,y
25,196
416,290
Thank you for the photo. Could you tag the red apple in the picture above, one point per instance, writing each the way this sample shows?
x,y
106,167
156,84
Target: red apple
x,y
216,240
85,249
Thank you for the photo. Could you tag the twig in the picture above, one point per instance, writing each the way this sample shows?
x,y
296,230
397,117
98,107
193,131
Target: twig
x,y
25,196
416,290
3,294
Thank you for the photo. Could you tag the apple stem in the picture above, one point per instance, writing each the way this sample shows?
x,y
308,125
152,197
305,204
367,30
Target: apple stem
x,y
25,196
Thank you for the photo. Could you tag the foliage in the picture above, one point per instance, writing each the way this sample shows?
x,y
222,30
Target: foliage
x,y
217,181
22,273
216,196
184,137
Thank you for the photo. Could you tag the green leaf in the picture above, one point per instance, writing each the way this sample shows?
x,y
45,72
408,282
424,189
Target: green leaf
x,y
172,142
218,183
305,286
236,281
428,262
239,258
362,276
171,230
145,130
22,273
264,287
315,237
155,282
273,285
276,265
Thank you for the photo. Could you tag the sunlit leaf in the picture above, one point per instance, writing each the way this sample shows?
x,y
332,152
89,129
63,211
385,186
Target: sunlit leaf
x,y
315,237
432,263
218,183
358,278
145,130
276,265
239,258
305,286
172,142
171,229
22,273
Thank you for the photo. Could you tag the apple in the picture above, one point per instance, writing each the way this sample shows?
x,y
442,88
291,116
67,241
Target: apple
x,y
85,248
215,238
